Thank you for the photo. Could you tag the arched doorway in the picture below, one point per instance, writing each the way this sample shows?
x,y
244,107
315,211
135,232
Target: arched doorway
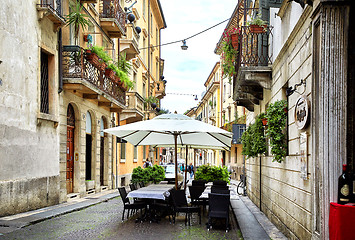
x,y
102,151
70,148
88,155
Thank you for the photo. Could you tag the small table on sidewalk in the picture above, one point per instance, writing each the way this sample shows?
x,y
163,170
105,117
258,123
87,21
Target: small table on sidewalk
x,y
154,191
233,194
150,194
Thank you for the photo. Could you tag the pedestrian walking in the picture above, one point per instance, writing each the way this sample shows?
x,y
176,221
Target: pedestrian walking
x,y
191,170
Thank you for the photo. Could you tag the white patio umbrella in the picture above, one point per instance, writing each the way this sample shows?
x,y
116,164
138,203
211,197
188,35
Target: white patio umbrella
x,y
173,129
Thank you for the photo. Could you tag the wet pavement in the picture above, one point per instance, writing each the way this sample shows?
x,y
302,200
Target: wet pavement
x,y
103,221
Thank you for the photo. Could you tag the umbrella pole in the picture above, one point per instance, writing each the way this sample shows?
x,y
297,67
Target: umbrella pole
x,y
185,168
176,175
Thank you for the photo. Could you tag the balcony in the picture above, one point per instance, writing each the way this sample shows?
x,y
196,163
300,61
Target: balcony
x,y
113,18
88,81
253,67
160,89
52,11
129,45
212,114
135,108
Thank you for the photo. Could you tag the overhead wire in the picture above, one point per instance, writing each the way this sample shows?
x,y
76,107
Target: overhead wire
x,y
164,44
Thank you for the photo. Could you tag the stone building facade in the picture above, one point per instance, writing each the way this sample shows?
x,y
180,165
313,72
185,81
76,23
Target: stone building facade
x,y
309,51
55,101
29,120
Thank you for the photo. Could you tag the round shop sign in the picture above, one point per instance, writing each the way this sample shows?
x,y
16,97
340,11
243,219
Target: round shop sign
x,y
302,112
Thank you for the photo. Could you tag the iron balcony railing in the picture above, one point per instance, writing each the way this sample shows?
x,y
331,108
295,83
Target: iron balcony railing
x,y
75,65
53,5
254,47
112,9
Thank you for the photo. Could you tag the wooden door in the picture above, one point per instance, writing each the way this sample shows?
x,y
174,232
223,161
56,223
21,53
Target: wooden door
x,y
102,160
70,158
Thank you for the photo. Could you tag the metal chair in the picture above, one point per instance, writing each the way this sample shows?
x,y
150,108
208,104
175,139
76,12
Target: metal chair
x,y
195,193
132,186
218,208
130,206
219,183
180,205
141,184
199,182
220,189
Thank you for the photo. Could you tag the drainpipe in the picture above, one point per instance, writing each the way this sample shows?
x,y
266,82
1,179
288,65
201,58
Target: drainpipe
x,y
60,59
260,184
149,48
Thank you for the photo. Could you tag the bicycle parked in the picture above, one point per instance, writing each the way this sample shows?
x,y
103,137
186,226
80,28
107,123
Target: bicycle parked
x,y
242,187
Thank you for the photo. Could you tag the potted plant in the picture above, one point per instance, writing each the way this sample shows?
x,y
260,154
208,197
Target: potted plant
x,y
257,24
76,18
102,57
229,54
110,71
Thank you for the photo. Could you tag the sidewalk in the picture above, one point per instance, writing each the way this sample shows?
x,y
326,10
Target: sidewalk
x,y
253,223
14,222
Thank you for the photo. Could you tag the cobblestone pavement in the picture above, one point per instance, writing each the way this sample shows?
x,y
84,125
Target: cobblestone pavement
x,y
103,221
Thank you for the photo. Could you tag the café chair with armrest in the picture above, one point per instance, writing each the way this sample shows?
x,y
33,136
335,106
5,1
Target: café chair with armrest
x,y
180,205
130,206
195,194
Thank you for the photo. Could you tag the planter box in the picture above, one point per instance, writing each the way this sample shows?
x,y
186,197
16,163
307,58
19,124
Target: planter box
x,y
110,73
235,40
94,60
90,184
257,28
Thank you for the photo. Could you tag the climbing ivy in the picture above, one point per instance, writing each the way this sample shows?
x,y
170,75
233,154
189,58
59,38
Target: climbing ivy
x,y
253,139
276,115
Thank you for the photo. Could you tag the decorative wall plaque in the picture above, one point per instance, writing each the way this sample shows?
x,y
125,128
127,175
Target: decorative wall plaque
x,y
304,155
302,113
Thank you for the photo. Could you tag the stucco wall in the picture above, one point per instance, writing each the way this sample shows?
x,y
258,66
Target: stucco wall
x,y
81,107
28,143
286,198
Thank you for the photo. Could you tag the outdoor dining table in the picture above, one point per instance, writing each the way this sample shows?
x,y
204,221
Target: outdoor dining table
x,y
150,194
233,194
153,191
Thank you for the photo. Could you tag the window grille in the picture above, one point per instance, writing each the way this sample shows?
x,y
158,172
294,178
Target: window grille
x,y
44,84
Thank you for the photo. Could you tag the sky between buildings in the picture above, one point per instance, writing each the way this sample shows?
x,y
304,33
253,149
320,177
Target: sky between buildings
x,y
186,71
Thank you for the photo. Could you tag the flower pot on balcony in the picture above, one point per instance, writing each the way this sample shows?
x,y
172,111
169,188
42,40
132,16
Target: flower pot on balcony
x,y
258,28
234,38
91,57
110,73
264,121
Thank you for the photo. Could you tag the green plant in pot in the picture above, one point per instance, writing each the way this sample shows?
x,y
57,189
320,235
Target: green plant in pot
x,y
103,58
76,18
257,24
228,56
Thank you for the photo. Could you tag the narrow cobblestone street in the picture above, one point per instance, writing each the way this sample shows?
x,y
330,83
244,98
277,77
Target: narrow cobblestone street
x,y
103,221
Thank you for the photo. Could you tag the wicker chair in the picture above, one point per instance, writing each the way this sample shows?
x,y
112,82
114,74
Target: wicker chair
x,y
180,205
130,206
218,208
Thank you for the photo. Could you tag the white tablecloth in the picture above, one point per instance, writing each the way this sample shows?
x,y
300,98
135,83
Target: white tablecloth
x,y
208,190
154,191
